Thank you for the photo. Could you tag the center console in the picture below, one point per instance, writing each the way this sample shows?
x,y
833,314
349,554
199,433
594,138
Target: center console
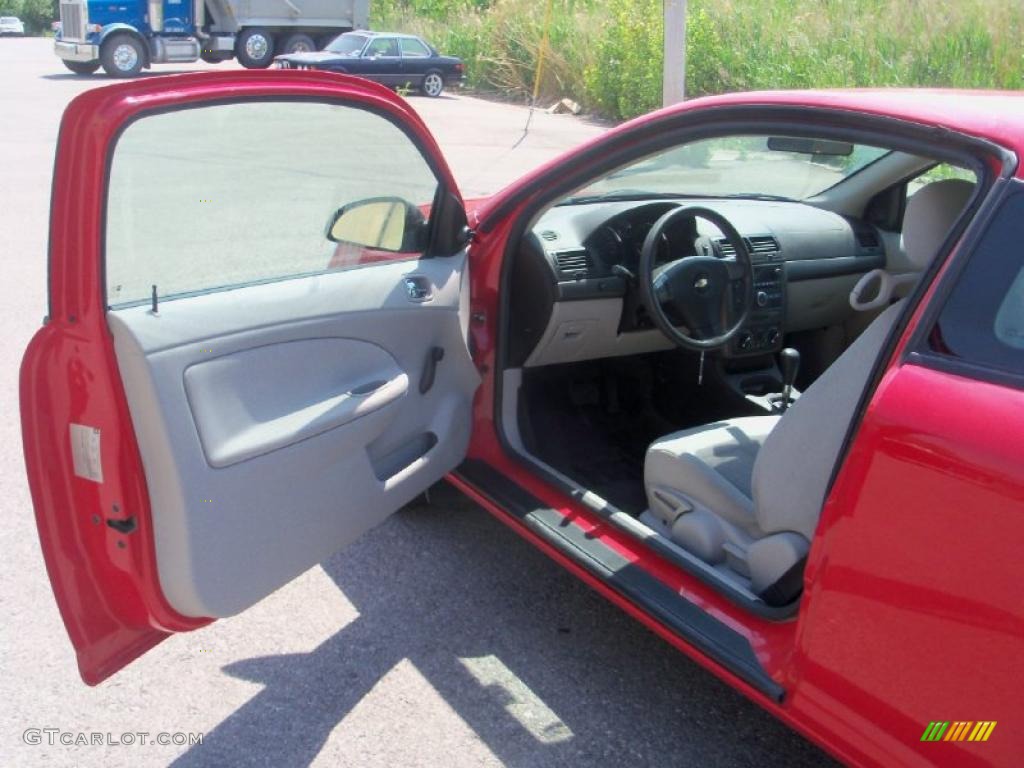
x,y
762,333
769,385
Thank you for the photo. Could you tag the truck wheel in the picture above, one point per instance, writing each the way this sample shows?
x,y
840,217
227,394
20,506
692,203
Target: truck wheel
x,y
255,48
82,67
298,43
122,56
433,84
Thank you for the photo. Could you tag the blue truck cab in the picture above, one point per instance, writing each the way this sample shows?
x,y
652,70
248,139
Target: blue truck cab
x,y
86,24
125,36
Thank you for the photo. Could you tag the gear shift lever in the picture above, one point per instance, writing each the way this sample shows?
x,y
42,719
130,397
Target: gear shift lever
x,y
789,362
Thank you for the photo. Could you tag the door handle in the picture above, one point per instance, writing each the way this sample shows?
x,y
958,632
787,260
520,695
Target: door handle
x,y
434,356
417,288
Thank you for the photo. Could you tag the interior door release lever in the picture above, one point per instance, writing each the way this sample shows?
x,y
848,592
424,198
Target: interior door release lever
x,y
417,288
434,356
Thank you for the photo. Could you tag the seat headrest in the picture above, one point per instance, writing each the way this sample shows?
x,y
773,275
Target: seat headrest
x,y
930,214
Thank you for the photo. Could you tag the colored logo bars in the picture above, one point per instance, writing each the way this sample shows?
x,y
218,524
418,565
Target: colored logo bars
x,y
961,730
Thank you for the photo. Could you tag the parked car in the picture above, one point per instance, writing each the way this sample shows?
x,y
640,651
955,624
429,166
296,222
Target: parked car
x,y
384,57
11,25
603,355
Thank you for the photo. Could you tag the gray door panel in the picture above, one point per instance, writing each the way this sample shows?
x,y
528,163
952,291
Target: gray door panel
x,y
279,422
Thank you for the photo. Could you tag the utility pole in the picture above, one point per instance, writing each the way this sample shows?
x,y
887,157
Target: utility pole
x,y
674,76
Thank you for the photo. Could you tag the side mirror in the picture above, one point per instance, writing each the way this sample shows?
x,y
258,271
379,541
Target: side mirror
x,y
381,223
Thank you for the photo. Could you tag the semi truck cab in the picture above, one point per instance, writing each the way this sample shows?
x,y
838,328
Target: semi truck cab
x,y
128,36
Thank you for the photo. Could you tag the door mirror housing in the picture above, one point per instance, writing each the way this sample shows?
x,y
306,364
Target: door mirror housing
x,y
382,223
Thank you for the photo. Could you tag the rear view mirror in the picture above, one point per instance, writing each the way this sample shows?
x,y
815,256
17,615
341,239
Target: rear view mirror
x,y
810,146
381,223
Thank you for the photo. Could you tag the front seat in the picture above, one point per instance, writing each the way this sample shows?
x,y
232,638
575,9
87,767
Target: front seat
x,y
746,493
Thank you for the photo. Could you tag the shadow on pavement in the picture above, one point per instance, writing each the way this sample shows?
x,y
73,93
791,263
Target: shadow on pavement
x,y
543,670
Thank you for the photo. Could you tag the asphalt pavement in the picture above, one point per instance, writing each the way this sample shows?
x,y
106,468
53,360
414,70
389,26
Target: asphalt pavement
x,y
439,639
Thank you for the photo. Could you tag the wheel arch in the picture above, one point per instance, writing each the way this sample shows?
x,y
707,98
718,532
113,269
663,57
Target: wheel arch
x,y
112,29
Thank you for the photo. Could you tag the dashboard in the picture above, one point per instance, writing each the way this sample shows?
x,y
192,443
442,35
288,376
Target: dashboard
x,y
619,241
579,264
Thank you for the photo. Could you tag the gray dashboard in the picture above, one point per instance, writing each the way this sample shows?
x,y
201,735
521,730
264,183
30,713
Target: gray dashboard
x,y
813,243
584,300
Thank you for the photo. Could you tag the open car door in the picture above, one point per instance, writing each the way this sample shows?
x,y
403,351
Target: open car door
x,y
256,348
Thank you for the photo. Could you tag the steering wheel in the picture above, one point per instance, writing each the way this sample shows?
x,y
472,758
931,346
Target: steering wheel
x,y
698,291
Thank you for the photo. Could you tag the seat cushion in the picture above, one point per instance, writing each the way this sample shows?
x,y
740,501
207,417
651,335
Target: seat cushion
x,y
707,468
698,484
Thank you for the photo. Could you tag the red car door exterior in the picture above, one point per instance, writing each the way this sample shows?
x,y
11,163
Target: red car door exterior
x,y
911,636
92,504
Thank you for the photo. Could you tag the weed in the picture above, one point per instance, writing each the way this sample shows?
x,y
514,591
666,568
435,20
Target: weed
x,y
607,54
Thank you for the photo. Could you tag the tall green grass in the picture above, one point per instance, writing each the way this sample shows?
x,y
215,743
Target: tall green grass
x,y
607,54
36,14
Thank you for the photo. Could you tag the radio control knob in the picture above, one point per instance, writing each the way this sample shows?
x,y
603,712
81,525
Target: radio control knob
x,y
762,299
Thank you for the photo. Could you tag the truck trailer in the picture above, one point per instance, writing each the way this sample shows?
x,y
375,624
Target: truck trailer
x,y
127,36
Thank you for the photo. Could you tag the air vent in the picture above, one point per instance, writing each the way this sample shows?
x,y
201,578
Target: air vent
x,y
762,244
867,238
757,244
573,264
549,234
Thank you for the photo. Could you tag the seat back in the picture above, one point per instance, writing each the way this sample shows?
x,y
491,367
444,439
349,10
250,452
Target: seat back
x,y
793,469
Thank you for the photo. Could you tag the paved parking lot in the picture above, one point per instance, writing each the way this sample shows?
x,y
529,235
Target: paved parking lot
x,y
439,639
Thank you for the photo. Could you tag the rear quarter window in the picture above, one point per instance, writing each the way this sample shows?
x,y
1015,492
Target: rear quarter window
x,y
982,321
941,172
413,49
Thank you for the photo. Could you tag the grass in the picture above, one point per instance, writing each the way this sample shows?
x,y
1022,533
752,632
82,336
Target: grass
x,y
607,54
36,14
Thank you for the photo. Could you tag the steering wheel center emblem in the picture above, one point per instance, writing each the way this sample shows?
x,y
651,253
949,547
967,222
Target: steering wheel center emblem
x,y
701,283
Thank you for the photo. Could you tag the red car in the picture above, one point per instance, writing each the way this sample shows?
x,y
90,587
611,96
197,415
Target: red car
x,y
750,367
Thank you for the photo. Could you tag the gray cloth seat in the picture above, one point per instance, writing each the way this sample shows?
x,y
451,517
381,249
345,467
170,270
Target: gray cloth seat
x,y
747,493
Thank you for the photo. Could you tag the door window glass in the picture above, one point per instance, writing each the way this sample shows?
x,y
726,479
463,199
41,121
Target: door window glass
x,y
414,49
384,47
227,195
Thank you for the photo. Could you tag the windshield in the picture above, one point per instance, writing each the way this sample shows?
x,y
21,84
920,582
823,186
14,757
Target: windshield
x,y
347,44
738,166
